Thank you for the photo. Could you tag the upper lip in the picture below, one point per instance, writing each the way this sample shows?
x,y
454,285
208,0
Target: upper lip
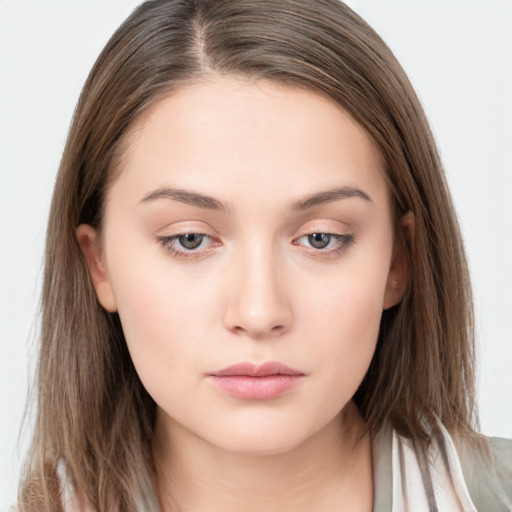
x,y
257,370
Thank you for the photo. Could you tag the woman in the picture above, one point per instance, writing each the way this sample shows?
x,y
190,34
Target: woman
x,y
255,294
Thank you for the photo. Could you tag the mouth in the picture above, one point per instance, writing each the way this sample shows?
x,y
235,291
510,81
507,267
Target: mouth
x,y
250,381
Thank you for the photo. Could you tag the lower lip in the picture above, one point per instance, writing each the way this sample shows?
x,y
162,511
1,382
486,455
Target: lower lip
x,y
256,388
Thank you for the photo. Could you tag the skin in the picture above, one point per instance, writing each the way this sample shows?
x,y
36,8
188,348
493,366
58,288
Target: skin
x,y
254,290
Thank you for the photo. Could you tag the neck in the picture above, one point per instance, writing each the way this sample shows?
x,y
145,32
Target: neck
x,y
330,470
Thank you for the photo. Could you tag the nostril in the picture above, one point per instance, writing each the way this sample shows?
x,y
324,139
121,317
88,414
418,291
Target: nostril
x,y
259,332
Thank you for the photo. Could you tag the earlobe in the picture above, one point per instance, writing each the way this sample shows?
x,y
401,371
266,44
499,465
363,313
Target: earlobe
x,y
89,242
399,271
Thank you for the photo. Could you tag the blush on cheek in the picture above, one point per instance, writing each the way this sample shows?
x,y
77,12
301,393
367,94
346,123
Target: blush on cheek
x,y
349,323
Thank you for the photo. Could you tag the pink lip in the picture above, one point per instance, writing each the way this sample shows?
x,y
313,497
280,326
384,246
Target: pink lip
x,y
256,382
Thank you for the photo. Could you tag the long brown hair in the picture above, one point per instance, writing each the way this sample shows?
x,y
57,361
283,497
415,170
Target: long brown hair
x,y
94,418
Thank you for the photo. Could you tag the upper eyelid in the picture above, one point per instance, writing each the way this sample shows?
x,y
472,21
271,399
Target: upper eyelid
x,y
312,225
324,225
169,233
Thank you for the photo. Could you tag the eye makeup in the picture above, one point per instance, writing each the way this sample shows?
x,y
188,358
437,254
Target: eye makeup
x,y
187,245
325,244
197,245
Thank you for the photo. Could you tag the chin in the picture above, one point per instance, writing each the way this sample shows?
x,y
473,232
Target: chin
x,y
261,445
263,438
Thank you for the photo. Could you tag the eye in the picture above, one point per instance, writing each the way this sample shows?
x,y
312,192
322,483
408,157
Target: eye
x,y
329,243
186,245
319,240
190,240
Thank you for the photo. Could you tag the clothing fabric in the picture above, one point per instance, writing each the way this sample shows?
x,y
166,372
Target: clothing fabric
x,y
444,480
407,481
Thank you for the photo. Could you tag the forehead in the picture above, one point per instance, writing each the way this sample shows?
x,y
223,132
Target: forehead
x,y
258,134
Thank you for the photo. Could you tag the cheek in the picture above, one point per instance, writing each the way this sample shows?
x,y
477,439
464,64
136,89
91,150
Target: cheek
x,y
344,320
159,309
348,331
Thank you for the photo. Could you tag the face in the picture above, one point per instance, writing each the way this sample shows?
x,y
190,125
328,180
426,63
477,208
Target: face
x,y
247,246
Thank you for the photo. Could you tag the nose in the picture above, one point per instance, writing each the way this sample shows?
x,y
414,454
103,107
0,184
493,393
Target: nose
x,y
258,304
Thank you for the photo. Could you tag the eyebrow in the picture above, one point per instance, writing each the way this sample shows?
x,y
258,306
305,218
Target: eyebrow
x,y
187,197
210,203
328,196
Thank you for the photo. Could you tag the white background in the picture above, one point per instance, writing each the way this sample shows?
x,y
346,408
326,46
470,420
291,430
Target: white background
x,y
458,54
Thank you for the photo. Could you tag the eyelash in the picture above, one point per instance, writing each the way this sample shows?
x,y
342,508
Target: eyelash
x,y
342,242
168,243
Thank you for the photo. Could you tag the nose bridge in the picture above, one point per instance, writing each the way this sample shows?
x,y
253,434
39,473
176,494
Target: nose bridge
x,y
258,304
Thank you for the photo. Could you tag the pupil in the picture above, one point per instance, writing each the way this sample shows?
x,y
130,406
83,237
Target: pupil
x,y
191,240
319,240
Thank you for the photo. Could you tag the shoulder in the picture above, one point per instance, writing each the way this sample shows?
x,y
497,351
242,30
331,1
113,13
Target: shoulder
x,y
489,476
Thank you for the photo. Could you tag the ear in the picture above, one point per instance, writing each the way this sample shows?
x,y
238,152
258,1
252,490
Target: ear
x,y
89,241
399,270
